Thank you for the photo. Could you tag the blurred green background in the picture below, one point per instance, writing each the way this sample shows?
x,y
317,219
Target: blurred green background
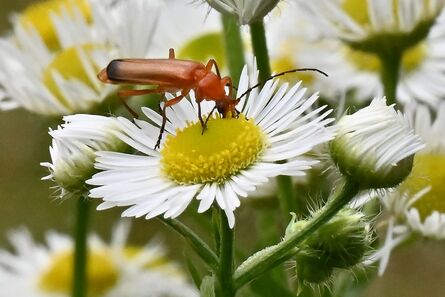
x,y
25,200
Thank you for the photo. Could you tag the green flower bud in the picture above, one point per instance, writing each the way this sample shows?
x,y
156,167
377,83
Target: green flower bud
x,y
374,147
340,243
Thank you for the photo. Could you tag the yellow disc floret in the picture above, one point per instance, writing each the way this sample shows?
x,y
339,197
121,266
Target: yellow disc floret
x,y
102,274
428,170
38,16
227,146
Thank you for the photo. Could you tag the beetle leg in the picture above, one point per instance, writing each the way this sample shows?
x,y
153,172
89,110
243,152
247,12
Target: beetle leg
x,y
171,53
123,94
207,119
212,63
203,124
168,103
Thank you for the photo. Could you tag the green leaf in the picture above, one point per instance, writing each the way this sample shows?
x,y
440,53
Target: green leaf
x,y
196,277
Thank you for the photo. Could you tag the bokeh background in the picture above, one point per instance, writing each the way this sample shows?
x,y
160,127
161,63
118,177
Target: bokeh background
x,y
25,200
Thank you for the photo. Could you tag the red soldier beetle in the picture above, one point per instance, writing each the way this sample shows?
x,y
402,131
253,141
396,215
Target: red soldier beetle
x,y
172,75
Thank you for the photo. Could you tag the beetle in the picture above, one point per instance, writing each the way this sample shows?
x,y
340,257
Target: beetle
x,y
172,75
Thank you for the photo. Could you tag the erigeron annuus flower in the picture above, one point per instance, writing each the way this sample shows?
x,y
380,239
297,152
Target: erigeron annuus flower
x,y
246,11
359,20
420,76
229,160
73,150
417,206
115,269
375,146
63,81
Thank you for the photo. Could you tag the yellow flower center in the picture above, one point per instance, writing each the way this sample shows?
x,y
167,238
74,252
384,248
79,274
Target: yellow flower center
x,y
428,170
203,48
102,274
227,146
412,58
38,17
69,65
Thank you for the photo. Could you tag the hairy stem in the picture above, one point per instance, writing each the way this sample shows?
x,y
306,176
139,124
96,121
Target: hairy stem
x,y
198,245
274,255
226,258
79,288
233,46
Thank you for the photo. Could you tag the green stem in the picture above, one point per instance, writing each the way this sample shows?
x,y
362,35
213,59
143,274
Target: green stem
x,y
259,44
233,47
274,255
198,245
286,195
80,249
226,258
389,75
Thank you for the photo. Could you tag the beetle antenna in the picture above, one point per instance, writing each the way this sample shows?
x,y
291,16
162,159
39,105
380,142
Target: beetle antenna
x,y
280,74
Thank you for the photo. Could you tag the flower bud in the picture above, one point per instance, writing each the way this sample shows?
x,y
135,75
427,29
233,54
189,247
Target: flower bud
x,y
340,243
374,147
74,148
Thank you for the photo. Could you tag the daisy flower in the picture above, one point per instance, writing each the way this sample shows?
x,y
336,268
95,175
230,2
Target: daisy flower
x,y
357,20
234,155
73,150
63,81
375,146
417,206
115,269
421,77
247,11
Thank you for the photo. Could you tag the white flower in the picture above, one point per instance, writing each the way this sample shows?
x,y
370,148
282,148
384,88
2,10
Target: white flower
x,y
114,269
73,150
356,20
417,207
63,81
421,76
228,161
375,145
247,11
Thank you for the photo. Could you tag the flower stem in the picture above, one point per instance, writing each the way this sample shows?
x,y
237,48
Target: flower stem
x,y
200,247
226,258
389,75
234,47
286,193
80,248
274,255
258,36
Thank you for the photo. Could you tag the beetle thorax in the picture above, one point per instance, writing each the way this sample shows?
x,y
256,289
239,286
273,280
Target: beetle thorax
x,y
210,88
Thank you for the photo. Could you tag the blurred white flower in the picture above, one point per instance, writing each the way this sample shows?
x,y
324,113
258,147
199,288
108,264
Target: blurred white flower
x,y
417,206
246,11
59,81
114,269
375,146
228,161
356,20
73,150
353,72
